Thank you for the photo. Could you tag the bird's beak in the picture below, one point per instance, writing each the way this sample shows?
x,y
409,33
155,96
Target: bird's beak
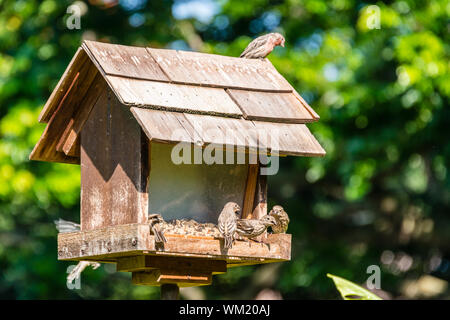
x,y
282,43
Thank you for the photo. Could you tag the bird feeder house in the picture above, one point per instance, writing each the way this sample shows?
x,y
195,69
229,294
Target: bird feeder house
x,y
149,128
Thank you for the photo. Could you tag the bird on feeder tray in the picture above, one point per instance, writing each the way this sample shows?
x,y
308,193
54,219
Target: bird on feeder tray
x,y
68,226
227,223
281,218
154,221
251,228
260,47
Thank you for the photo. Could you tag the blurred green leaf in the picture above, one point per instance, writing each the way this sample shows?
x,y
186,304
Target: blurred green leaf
x,y
351,291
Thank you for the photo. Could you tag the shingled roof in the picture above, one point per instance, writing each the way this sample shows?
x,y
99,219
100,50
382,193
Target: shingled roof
x,y
173,90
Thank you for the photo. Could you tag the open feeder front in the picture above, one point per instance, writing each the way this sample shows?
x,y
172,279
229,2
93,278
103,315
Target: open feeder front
x,y
120,112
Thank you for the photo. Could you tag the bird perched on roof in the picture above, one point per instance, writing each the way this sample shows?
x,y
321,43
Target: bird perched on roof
x,y
260,47
68,226
281,218
227,223
154,221
251,228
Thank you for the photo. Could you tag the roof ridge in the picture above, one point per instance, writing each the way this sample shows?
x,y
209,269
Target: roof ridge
x,y
176,50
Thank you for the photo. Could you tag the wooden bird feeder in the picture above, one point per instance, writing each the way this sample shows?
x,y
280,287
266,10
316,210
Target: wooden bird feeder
x,y
120,110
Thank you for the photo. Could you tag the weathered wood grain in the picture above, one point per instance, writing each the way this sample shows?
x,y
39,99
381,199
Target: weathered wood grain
x,y
111,243
288,139
67,140
305,104
224,131
219,71
260,195
250,189
74,150
179,81
126,61
113,174
174,97
79,59
173,127
269,106
46,148
165,127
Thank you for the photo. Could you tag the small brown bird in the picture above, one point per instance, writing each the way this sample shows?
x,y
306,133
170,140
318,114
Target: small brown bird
x,y
251,228
281,218
227,223
68,226
260,47
154,221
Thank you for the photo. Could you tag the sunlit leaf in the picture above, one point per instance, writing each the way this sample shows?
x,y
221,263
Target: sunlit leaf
x,y
351,291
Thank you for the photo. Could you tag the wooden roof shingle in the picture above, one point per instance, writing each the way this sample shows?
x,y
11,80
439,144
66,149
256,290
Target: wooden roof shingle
x,y
178,91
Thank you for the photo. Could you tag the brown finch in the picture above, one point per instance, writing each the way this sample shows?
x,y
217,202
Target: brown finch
x,y
251,228
68,226
281,218
260,47
154,221
227,223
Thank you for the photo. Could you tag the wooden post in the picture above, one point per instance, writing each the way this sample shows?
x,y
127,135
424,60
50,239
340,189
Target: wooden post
x,y
260,200
169,291
249,197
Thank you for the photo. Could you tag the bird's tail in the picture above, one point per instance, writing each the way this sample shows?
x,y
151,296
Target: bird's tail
x,y
159,236
66,226
228,241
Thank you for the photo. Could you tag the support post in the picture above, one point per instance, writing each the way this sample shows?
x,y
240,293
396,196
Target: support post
x,y
260,199
169,291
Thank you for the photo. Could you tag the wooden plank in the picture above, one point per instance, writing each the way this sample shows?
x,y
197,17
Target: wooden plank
x,y
133,239
46,148
67,140
126,61
268,106
305,104
260,196
79,59
288,139
175,97
219,71
224,131
159,277
146,262
250,189
113,174
74,150
172,127
166,127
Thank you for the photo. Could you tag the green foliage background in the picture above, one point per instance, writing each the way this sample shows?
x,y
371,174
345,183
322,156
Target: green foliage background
x,y
380,196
